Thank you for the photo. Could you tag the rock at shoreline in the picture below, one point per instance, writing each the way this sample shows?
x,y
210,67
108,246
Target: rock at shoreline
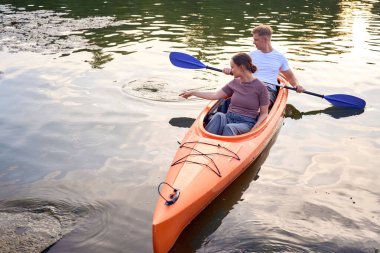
x,y
29,231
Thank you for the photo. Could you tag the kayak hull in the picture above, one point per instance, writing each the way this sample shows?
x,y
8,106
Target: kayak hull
x,y
203,166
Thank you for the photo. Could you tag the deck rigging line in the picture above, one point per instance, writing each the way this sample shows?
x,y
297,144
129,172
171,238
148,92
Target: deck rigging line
x,y
173,197
207,155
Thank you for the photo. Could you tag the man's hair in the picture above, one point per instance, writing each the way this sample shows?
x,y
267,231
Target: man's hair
x,y
263,30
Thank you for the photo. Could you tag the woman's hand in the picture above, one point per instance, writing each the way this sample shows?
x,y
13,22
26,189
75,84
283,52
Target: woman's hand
x,y
186,94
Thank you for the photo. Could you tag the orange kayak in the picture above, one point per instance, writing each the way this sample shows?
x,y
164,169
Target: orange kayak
x,y
203,166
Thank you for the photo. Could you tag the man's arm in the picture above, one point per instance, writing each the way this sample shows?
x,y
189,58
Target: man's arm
x,y
292,80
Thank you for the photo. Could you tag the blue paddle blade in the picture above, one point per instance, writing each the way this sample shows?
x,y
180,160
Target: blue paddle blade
x,y
185,61
346,101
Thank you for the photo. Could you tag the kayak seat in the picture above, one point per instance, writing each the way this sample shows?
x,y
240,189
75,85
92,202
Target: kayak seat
x,y
221,106
271,103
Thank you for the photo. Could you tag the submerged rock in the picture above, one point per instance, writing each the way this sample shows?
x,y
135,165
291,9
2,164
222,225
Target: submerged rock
x,y
34,229
28,232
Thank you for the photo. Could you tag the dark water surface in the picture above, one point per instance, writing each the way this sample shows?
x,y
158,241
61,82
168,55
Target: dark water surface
x,y
90,118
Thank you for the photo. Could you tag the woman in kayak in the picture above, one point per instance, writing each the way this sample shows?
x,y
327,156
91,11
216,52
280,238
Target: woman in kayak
x,y
249,100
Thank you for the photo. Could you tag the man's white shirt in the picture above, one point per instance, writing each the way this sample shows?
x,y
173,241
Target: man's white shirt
x,y
269,66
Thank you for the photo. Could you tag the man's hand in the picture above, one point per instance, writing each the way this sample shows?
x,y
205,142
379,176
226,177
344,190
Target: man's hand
x,y
299,89
227,71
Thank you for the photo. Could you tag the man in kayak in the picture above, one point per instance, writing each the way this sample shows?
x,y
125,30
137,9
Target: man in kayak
x,y
244,113
270,62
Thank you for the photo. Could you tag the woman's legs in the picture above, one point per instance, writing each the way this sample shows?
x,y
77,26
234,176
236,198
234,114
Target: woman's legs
x,y
236,129
217,123
229,124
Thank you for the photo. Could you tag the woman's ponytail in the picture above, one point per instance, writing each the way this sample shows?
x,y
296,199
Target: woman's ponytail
x,y
253,68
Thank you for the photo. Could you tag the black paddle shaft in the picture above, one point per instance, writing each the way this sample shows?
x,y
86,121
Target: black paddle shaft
x,y
215,69
292,88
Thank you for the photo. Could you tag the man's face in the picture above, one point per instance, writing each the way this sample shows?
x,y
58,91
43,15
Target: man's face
x,y
258,41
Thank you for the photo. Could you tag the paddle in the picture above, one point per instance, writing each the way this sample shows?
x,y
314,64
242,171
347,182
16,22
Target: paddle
x,y
186,61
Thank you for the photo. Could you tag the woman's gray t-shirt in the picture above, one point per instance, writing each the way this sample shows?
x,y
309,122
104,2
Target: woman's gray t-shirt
x,y
246,98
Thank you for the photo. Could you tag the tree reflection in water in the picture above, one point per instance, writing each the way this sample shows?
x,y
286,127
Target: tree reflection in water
x,y
333,111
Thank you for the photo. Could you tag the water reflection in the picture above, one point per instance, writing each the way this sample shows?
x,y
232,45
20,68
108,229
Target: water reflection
x,y
304,27
99,58
333,111
181,122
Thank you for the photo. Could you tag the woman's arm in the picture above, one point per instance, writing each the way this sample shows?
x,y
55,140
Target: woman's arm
x,y
263,114
210,95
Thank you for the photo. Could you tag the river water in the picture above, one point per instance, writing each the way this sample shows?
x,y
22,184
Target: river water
x,y
90,118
